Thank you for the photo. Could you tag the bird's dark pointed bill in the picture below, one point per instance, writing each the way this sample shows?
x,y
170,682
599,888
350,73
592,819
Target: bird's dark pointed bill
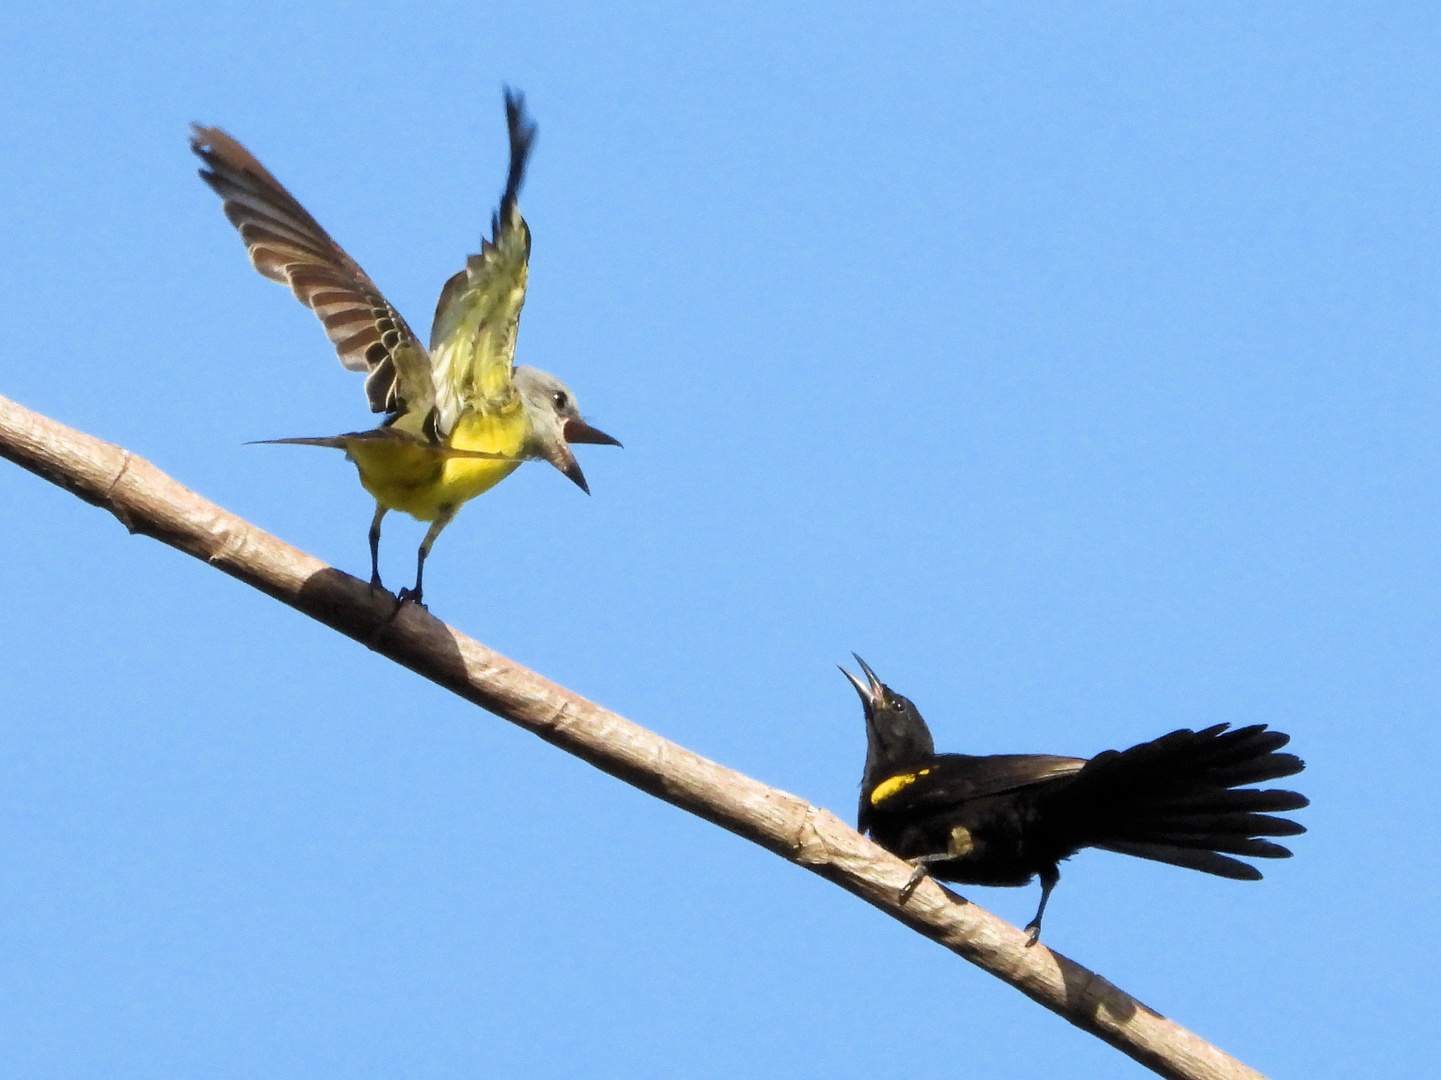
x,y
578,431
877,687
869,694
559,455
861,687
577,477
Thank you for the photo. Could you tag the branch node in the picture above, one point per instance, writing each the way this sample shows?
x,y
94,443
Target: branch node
x,y
558,720
809,847
231,546
660,770
121,512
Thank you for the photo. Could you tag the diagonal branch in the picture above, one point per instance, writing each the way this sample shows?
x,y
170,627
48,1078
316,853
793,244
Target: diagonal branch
x,y
149,502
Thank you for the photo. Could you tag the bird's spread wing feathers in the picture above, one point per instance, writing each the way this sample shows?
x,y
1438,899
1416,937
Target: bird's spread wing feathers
x,y
952,778
287,245
472,340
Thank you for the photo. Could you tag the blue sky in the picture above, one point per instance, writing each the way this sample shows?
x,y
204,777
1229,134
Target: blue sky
x,y
1075,364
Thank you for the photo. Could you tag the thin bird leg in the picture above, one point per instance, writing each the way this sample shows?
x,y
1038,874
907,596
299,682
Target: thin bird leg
x,y
446,516
1049,876
375,547
922,864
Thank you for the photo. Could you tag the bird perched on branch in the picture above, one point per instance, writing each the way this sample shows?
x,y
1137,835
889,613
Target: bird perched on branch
x,y
460,417
1006,818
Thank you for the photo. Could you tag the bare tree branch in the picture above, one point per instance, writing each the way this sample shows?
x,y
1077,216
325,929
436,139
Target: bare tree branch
x,y
149,502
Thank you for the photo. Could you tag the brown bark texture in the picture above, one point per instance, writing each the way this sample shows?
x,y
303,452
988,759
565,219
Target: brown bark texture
x,y
149,502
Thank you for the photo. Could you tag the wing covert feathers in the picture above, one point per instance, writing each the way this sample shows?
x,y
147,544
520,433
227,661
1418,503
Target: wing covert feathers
x,y
951,778
287,245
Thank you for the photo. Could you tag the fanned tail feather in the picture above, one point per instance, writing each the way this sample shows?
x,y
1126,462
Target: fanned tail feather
x,y
1208,862
1180,799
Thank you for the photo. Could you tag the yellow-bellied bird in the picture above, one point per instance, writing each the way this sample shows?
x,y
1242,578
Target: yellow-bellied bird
x,y
460,416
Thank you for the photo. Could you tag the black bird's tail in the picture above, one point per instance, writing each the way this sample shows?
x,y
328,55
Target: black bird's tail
x,y
1179,799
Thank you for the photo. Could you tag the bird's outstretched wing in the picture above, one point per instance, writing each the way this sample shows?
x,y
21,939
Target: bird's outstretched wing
x,y
472,341
950,779
287,245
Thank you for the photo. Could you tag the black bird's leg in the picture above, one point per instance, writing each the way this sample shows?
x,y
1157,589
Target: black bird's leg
x,y
1049,876
922,864
375,547
444,518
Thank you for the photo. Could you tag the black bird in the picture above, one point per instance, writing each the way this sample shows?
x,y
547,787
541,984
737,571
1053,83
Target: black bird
x,y
1006,818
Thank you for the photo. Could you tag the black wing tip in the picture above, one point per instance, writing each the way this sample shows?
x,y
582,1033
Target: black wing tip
x,y
208,143
202,145
521,129
219,154
520,126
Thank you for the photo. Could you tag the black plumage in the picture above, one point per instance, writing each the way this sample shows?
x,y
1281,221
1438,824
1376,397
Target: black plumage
x,y
1004,819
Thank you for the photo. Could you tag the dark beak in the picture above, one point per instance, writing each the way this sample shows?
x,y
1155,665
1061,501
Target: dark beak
x,y
577,477
578,431
869,694
559,455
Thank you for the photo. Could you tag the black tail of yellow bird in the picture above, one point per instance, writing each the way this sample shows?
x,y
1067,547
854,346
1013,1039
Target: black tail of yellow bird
x,y
461,417
1007,818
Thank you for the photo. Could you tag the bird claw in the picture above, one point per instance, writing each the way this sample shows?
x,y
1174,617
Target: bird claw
x,y
406,596
1033,934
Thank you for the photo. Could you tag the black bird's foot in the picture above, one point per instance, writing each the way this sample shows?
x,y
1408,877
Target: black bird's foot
x,y
375,584
917,876
409,596
1033,934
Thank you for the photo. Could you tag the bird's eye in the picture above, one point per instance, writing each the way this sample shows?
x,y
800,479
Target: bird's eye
x,y
560,399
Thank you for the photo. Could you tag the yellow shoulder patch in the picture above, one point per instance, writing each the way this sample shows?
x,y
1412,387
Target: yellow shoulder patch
x,y
961,843
886,788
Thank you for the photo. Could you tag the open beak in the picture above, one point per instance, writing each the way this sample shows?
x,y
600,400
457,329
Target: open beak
x,y
578,431
870,694
559,455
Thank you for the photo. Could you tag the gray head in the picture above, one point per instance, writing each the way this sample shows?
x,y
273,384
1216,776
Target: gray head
x,y
895,733
555,422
